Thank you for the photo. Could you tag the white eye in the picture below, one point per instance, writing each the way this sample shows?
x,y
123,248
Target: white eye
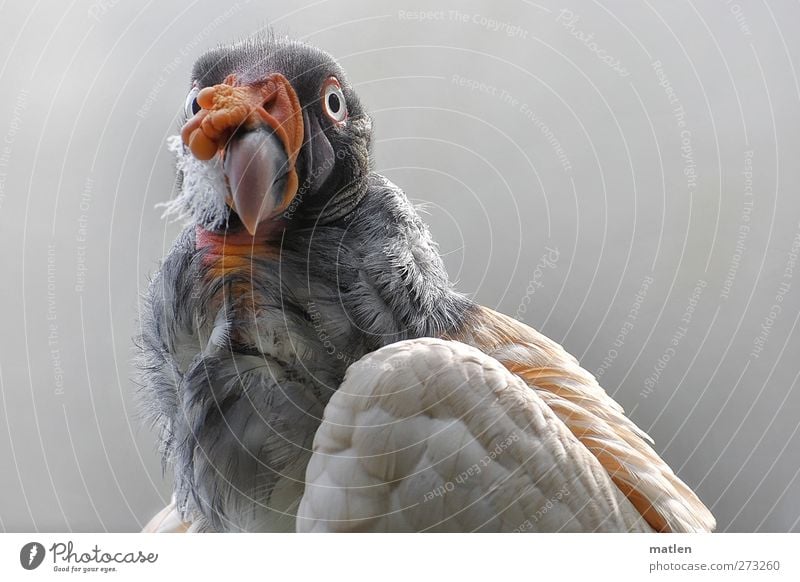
x,y
191,107
333,103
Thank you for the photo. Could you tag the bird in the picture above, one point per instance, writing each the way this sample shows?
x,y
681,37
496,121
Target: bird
x,y
308,365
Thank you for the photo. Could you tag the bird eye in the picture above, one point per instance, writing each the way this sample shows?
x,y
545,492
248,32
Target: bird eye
x,y
191,107
333,103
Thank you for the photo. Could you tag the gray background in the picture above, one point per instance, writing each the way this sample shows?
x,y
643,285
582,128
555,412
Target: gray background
x,y
574,156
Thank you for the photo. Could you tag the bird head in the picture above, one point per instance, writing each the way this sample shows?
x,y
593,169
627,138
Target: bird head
x,y
273,132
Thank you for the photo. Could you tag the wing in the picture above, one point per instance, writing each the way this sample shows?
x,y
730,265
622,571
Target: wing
x,y
592,417
433,435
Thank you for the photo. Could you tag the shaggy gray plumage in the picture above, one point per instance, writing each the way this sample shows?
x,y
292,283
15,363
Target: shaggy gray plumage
x,y
236,395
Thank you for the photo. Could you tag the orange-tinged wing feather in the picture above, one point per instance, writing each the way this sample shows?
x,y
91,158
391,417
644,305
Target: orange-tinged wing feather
x,y
593,417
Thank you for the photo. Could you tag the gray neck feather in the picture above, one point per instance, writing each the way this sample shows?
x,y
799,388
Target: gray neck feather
x,y
386,267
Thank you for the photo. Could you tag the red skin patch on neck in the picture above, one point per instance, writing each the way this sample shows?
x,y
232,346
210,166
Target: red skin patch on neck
x,y
228,252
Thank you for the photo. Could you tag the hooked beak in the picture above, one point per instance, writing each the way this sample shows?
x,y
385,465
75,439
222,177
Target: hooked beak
x,y
257,167
258,130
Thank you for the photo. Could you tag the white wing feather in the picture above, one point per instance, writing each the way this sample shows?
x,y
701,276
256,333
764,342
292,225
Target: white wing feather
x,y
433,435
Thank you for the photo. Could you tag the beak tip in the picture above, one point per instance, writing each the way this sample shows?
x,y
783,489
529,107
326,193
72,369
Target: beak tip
x,y
249,221
252,164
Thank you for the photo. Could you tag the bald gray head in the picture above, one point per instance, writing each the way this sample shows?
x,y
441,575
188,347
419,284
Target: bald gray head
x,y
330,158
